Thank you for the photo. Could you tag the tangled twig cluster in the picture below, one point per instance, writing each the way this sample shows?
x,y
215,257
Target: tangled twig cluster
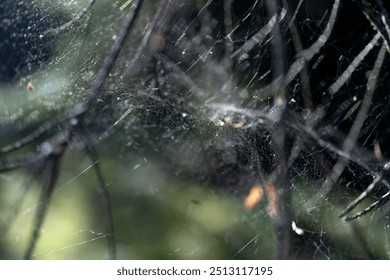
x,y
281,118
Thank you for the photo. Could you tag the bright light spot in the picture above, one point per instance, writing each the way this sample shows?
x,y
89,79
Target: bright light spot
x,y
136,166
296,229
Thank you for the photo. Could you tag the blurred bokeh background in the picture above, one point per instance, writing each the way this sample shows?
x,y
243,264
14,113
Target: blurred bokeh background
x,y
171,193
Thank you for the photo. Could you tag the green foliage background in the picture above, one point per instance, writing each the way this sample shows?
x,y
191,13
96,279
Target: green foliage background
x,y
158,215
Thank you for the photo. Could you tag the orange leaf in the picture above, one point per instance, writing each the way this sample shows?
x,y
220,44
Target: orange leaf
x,y
254,197
272,197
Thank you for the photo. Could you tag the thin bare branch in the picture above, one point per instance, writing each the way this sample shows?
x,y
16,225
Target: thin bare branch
x,y
110,60
304,74
158,27
354,132
58,30
259,37
104,195
378,179
382,200
344,77
53,168
314,49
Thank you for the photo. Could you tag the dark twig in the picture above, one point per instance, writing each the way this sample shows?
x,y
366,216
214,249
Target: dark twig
x,y
369,189
304,74
57,148
110,60
53,167
280,175
20,161
14,210
44,128
344,77
58,30
104,195
259,37
354,132
303,57
158,27
382,200
307,54
376,13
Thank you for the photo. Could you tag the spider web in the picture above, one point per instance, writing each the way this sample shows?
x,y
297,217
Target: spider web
x,y
195,130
